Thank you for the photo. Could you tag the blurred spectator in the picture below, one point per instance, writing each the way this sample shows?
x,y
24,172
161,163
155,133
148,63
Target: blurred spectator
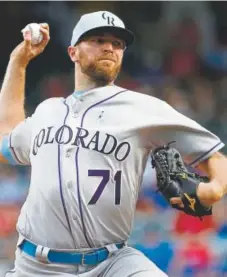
x,y
8,219
196,254
157,247
188,224
203,100
192,258
178,99
182,59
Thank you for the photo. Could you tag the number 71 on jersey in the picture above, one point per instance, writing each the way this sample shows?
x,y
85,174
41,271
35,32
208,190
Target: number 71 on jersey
x,y
105,174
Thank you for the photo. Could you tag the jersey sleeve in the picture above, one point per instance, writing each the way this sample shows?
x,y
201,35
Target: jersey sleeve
x,y
15,147
193,141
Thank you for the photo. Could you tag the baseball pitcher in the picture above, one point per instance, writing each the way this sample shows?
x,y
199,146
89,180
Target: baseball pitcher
x,y
87,154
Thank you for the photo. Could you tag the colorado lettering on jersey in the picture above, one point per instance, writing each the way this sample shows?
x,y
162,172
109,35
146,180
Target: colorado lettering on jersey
x,y
82,138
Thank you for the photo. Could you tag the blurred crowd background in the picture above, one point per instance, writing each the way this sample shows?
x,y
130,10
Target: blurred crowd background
x,y
180,55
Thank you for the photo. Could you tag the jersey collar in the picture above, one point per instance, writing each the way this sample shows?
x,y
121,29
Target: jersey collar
x,y
79,94
89,97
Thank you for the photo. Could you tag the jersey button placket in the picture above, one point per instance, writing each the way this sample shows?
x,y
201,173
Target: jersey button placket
x,y
76,107
68,153
69,184
74,217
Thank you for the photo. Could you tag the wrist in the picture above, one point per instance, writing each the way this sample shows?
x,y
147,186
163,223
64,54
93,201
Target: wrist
x,y
18,63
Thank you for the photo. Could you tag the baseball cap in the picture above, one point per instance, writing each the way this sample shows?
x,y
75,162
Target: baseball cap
x,y
101,20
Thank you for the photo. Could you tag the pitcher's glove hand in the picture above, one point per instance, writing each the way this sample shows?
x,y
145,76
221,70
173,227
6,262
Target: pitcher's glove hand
x,y
174,180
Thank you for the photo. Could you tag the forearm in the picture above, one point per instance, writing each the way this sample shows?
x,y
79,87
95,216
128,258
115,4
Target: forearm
x,y
12,96
216,168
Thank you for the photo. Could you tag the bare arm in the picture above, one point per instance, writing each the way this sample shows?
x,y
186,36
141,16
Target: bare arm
x,y
12,99
12,93
216,168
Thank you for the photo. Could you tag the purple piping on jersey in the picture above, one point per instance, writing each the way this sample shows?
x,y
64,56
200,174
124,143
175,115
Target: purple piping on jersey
x,y
205,154
77,164
14,152
60,177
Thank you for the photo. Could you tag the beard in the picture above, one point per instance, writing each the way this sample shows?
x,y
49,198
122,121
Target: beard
x,y
101,71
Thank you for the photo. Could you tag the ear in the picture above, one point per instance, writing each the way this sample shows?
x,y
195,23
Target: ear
x,y
73,53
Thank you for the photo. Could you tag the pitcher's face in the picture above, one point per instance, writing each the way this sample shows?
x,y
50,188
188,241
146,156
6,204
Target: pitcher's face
x,y
100,56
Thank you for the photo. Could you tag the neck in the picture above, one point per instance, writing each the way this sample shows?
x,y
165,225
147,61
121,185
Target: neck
x,y
84,82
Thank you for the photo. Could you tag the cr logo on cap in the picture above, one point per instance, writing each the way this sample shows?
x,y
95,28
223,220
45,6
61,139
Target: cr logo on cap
x,y
110,19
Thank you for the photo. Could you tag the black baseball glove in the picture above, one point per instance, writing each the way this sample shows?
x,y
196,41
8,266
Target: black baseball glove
x,y
174,180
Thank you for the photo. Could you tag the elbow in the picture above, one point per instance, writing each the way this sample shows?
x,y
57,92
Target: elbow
x,y
217,194
216,169
209,193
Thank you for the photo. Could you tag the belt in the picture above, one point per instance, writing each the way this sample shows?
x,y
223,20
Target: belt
x,y
46,255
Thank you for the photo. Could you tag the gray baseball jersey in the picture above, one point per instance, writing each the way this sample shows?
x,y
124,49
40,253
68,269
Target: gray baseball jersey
x,y
88,153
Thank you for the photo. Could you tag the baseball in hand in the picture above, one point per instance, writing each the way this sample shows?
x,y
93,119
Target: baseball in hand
x,y
36,35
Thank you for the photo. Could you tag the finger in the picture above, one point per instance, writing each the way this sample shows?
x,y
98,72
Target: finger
x,y
44,26
27,35
177,201
45,33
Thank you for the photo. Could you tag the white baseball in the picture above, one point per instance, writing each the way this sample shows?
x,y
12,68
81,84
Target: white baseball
x,y
36,35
